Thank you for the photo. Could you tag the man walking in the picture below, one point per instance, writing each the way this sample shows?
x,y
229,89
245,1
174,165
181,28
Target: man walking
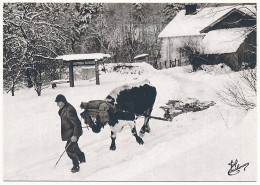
x,y
71,130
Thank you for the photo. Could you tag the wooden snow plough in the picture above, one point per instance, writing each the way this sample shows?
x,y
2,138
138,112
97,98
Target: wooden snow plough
x,y
176,107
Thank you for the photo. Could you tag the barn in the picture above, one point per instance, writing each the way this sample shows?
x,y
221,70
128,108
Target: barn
x,y
225,34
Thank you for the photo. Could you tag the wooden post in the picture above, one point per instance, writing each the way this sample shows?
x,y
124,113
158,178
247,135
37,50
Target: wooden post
x,y
60,61
180,60
97,72
169,50
71,75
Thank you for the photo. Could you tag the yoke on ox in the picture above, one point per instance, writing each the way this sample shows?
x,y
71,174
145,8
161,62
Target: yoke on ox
x,y
124,103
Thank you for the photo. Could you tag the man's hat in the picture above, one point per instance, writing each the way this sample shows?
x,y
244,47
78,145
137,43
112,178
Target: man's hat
x,y
60,98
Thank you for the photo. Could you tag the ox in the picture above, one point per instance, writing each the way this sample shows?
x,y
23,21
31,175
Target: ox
x,y
127,103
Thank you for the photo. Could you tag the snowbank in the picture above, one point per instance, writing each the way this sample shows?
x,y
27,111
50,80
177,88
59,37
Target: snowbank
x,y
195,146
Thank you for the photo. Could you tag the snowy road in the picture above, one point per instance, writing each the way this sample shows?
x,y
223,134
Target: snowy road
x,y
191,147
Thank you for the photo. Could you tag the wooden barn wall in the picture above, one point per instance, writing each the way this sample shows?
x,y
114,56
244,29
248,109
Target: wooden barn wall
x,y
170,49
231,60
228,58
247,51
234,20
245,56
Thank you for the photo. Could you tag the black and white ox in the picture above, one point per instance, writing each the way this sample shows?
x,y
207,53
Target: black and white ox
x,y
124,103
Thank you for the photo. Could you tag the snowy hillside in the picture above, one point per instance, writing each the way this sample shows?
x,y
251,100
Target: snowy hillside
x,y
195,146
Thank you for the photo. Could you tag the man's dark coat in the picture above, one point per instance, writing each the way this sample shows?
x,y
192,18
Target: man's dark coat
x,y
70,123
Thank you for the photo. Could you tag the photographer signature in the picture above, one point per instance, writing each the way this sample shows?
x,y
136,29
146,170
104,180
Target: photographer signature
x,y
235,167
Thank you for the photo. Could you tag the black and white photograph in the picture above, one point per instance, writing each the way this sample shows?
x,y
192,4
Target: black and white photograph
x,y
129,91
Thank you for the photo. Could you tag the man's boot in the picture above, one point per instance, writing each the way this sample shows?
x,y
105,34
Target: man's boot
x,y
82,158
75,169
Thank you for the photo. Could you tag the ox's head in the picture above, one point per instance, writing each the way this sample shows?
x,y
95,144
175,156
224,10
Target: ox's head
x,y
92,118
91,122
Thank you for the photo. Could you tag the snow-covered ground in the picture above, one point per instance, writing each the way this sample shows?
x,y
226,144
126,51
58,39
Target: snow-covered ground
x,y
195,146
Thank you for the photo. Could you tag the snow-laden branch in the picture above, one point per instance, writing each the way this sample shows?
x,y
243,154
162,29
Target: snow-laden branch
x,y
49,24
10,37
48,7
47,49
249,10
10,59
19,71
35,15
241,92
41,56
14,24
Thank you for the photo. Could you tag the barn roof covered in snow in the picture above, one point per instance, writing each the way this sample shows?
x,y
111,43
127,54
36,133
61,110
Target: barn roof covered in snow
x,y
91,56
224,40
187,25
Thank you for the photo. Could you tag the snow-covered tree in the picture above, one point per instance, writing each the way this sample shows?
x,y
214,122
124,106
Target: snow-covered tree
x,y
34,34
